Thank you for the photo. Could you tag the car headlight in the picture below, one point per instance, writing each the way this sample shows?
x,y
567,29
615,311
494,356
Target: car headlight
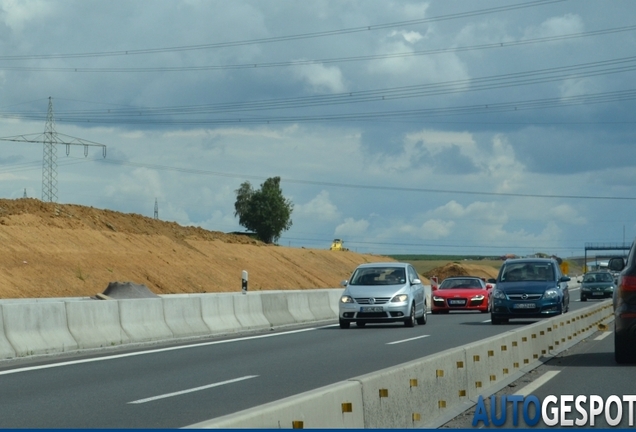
x,y
436,298
478,297
346,299
400,298
551,293
498,294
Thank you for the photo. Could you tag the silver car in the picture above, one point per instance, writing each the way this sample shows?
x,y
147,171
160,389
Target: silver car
x,y
383,293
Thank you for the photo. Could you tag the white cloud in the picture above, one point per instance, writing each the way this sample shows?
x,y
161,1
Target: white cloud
x,y
140,182
351,227
321,78
556,26
319,208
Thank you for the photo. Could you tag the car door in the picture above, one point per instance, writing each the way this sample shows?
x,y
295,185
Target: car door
x,y
418,290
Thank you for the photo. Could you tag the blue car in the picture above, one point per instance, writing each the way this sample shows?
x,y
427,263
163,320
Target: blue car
x,y
529,288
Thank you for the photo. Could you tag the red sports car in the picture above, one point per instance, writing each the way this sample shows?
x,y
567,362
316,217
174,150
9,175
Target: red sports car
x,y
461,293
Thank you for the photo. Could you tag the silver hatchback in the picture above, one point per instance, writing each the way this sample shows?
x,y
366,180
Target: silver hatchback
x,y
383,293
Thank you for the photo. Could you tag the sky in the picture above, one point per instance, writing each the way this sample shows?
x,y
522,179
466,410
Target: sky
x,y
448,127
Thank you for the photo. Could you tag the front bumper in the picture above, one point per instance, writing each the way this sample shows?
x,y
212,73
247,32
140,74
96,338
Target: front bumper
x,y
388,312
468,304
513,309
592,293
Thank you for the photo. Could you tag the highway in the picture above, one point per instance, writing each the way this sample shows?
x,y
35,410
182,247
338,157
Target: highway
x,y
179,384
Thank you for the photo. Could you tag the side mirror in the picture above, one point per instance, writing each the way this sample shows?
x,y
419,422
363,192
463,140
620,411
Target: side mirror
x,y
488,286
616,264
416,282
344,283
565,279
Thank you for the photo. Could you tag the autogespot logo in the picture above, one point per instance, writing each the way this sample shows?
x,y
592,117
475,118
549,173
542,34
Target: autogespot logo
x,y
563,410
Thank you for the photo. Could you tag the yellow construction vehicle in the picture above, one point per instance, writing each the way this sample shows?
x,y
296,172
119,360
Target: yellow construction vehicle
x,y
337,245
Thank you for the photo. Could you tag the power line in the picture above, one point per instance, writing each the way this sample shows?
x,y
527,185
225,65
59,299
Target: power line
x,y
361,186
252,66
350,30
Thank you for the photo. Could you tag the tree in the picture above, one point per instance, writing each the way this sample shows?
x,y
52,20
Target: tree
x,y
265,211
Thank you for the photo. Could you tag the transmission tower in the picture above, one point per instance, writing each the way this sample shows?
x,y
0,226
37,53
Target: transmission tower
x,y
50,138
156,209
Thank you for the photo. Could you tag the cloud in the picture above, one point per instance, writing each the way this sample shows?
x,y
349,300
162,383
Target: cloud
x,y
320,208
321,78
351,227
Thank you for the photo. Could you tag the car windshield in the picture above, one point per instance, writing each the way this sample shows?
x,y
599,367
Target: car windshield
x,y
528,271
378,276
466,283
598,277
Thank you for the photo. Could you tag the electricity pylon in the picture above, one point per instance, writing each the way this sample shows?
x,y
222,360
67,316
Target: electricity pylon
x,y
50,138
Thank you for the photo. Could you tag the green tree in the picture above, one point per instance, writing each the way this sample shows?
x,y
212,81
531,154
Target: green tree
x,y
264,211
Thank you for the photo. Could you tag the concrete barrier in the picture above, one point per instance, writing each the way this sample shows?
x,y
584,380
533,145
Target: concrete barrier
x,y
143,320
218,313
248,310
184,317
335,406
408,395
95,324
320,305
6,350
334,300
300,309
275,308
37,328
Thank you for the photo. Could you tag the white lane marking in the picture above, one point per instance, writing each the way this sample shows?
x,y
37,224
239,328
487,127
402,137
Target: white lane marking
x,y
486,321
167,395
603,336
407,340
154,351
530,388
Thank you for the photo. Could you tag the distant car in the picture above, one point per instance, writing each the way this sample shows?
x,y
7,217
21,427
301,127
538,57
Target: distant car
x,y
624,302
597,284
529,288
383,293
461,293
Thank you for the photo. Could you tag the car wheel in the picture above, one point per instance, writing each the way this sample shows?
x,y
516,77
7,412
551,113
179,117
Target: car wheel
x,y
583,298
344,324
434,312
410,321
496,321
422,320
360,324
622,352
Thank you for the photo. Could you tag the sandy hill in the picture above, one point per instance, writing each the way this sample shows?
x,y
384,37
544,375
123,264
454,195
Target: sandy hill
x,y
63,250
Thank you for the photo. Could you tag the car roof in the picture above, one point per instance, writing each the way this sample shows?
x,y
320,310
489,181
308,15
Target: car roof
x,y
463,277
522,260
383,264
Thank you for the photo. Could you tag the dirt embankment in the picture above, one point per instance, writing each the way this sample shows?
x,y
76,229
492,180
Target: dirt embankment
x,y
64,250
456,269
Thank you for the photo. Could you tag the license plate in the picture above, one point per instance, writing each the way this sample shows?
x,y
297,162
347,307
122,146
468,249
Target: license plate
x,y
597,293
371,309
524,306
457,302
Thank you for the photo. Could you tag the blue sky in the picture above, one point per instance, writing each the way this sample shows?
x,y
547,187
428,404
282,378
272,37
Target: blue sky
x,y
440,126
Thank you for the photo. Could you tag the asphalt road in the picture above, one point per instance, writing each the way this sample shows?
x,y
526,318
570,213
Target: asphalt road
x,y
175,385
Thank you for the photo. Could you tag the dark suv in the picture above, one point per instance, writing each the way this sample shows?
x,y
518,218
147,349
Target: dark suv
x,y
529,288
624,300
